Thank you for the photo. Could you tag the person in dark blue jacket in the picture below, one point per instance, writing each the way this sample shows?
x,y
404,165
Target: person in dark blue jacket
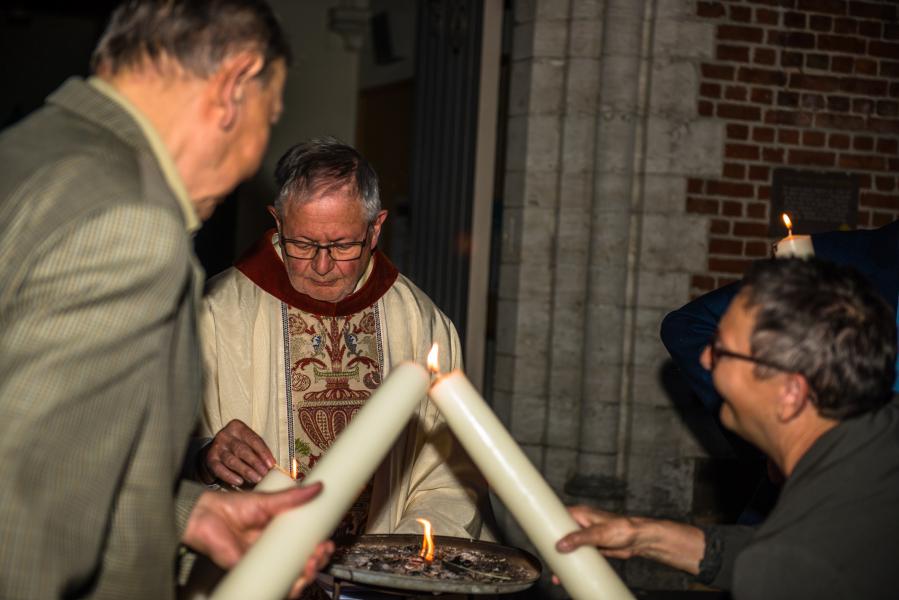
x,y
687,330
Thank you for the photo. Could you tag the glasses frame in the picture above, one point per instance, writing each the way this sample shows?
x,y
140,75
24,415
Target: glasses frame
x,y
717,351
283,241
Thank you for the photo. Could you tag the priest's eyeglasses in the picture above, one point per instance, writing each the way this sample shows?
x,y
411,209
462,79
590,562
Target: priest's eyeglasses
x,y
338,251
717,351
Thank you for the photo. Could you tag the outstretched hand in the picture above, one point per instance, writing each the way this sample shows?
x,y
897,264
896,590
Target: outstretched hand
x,y
236,455
614,535
223,526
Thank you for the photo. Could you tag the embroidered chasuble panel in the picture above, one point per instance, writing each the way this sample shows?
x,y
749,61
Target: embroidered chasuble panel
x,y
335,366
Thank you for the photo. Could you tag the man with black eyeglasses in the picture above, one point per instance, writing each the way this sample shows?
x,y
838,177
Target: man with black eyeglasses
x,y
804,359
302,331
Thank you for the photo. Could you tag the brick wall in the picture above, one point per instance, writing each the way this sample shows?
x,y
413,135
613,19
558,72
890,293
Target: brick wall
x,y
805,84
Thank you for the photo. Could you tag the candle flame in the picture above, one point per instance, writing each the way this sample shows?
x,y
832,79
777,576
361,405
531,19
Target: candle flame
x,y
433,367
788,223
293,468
427,541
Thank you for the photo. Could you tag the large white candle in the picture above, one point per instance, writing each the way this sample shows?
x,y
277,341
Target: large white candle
x,y
793,246
585,573
277,558
276,480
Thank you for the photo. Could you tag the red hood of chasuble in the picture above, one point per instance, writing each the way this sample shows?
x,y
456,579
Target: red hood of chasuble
x,y
262,265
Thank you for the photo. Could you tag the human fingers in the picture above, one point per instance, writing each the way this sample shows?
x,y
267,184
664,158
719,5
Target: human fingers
x,y
277,502
314,564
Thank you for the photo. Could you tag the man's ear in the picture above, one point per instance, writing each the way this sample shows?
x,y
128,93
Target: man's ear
x,y
274,214
376,228
230,84
794,397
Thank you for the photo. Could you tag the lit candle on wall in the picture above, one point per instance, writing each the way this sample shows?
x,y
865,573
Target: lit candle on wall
x,y
584,573
793,246
275,561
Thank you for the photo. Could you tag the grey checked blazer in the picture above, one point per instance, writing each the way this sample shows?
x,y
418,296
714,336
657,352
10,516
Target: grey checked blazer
x,y
99,369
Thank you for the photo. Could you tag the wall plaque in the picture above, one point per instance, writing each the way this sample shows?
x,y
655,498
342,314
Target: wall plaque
x,y
815,200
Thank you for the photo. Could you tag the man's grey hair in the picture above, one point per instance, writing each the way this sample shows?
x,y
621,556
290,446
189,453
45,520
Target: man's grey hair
x,y
326,164
198,34
827,323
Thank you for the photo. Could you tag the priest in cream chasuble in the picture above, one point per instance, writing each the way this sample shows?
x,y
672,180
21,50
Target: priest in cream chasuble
x,y
299,334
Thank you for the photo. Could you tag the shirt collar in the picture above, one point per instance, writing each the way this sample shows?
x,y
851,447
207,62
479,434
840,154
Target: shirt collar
x,y
166,164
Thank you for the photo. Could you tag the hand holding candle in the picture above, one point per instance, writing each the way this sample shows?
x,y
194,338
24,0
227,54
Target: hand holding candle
x,y
585,573
795,246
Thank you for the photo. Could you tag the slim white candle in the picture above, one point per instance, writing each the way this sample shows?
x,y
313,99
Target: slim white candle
x,y
277,558
585,573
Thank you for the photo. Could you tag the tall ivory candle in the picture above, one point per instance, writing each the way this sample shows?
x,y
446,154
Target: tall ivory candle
x,y
276,560
794,246
585,573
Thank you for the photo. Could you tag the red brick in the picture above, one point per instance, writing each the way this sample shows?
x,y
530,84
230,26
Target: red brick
x,y
883,49
819,83
885,11
865,66
832,121
733,53
879,219
863,143
764,191
841,43
842,64
787,136
792,39
763,134
864,218
751,229
834,7
710,10
888,126
887,108
817,61
820,23
894,164
727,188
790,99
710,90
863,106
889,69
885,184
794,20
864,181
773,155
894,89
891,31
811,157
761,76
703,282
740,33
791,59
694,185
723,281
845,26
838,103
758,173
757,249
729,265
764,56
871,29
740,14
717,71
757,210
879,200
736,131
866,162
813,139
766,16
731,209
838,140
812,102
734,171
788,117
702,206
726,246
761,96
739,111
887,146
719,226
867,87
741,151
705,108
735,92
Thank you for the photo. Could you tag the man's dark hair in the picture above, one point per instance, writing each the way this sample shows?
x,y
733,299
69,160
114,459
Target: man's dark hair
x,y
199,34
829,324
326,164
